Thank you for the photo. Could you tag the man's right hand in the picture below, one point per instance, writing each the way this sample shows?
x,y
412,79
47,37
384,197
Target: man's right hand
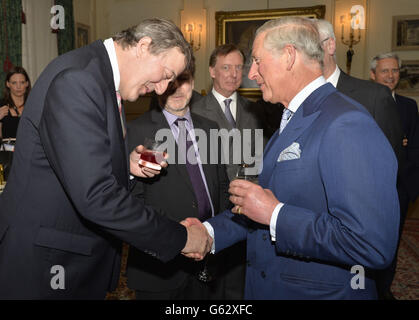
x,y
199,242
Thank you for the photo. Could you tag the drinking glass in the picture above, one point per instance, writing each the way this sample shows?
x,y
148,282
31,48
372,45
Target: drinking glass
x,y
243,173
153,155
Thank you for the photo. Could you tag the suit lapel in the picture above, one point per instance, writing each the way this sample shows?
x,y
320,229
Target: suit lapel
x,y
218,112
100,50
160,122
306,114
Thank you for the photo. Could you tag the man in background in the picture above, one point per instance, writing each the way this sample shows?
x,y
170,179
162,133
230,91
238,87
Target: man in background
x,y
385,69
67,204
374,97
231,111
182,190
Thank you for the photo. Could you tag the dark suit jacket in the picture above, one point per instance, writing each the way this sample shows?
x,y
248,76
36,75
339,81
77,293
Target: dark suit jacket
x,y
66,201
171,192
377,99
408,111
340,205
248,117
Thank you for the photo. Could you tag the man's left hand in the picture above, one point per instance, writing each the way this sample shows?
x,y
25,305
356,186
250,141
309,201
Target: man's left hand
x,y
141,171
252,200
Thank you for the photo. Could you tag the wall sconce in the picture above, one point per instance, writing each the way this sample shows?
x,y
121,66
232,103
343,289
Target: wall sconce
x,y
356,17
194,31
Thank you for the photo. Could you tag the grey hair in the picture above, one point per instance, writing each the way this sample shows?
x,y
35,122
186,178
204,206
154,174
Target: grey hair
x,y
164,34
297,31
374,61
324,28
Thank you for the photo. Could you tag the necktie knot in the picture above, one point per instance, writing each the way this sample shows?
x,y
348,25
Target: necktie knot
x,y
227,102
286,116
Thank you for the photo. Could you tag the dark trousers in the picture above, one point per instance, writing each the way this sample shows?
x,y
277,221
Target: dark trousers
x,y
191,289
385,277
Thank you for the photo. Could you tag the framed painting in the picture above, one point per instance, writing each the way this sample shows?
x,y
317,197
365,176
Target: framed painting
x,y
405,33
82,35
239,27
409,78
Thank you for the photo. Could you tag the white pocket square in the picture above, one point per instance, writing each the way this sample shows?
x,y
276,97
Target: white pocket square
x,y
290,153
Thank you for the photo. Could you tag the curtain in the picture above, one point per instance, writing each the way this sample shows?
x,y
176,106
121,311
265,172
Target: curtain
x,y
10,37
39,44
65,37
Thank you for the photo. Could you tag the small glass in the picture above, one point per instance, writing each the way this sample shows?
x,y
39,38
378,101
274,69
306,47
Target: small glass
x,y
153,155
244,172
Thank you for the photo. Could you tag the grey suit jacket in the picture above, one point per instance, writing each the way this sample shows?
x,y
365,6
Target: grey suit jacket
x,y
247,117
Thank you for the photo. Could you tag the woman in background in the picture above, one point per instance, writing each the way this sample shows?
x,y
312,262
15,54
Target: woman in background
x,y
16,91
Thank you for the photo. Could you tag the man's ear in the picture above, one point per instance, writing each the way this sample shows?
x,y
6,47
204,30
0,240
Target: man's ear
x,y
212,72
143,46
372,75
291,55
331,46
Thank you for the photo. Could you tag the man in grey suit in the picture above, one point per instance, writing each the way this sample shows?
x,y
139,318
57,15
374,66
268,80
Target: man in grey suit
x,y
234,113
230,110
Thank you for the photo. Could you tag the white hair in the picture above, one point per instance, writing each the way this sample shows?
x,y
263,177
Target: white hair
x,y
388,55
297,31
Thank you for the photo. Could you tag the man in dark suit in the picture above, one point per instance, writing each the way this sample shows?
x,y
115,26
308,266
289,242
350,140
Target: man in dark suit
x,y
67,206
385,69
174,192
232,112
325,211
374,97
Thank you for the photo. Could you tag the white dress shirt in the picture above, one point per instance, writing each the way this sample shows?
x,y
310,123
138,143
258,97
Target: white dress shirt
x,y
233,104
334,77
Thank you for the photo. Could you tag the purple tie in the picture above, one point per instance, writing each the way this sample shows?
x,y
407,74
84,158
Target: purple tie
x,y
228,113
204,207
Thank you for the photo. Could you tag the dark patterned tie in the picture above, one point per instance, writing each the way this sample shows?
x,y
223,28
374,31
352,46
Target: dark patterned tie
x,y
184,144
228,113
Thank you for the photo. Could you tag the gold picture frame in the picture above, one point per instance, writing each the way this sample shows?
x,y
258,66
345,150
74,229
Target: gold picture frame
x,y
405,33
82,35
409,78
238,27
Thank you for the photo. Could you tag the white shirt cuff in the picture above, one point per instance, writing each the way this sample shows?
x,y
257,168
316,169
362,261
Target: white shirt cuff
x,y
274,217
210,230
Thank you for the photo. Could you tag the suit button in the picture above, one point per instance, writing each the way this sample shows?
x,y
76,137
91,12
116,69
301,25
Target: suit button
x,y
194,205
248,263
265,237
263,274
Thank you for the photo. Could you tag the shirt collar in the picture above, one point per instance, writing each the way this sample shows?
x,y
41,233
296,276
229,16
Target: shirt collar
x,y
110,48
334,77
301,96
220,98
171,118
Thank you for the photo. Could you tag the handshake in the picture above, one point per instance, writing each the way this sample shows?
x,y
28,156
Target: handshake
x,y
199,242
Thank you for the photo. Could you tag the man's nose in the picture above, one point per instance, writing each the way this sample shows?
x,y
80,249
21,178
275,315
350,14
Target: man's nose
x,y
252,72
